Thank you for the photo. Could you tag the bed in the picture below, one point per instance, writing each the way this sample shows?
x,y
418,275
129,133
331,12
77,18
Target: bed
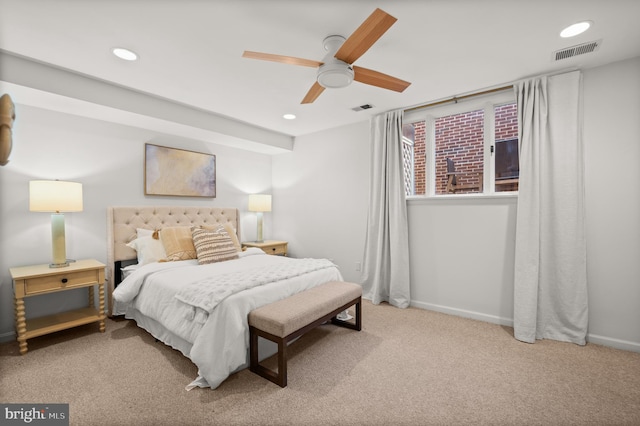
x,y
199,309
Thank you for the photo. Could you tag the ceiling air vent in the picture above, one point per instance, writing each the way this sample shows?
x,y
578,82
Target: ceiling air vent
x,y
580,49
362,107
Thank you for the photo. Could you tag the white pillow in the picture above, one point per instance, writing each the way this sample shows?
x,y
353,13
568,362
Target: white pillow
x,y
127,270
142,232
148,249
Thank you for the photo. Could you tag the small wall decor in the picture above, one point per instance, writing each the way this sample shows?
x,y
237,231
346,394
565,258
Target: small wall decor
x,y
7,116
171,171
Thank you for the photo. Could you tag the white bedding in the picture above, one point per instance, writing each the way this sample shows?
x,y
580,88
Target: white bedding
x,y
218,340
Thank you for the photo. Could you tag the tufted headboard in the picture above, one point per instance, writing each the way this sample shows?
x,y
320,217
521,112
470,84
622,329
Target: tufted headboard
x,y
122,223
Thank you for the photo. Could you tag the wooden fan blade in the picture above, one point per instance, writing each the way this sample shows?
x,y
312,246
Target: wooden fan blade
x,y
313,93
365,36
375,78
282,59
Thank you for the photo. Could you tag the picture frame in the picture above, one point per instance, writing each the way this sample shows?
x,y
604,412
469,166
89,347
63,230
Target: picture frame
x,y
178,172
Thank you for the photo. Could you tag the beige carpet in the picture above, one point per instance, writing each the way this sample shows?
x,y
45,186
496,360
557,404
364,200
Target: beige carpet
x,y
406,367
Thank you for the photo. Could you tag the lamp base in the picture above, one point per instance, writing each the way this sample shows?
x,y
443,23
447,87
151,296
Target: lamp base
x,y
61,265
259,239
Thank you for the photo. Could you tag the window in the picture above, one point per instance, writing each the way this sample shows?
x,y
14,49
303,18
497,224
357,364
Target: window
x,y
506,158
469,147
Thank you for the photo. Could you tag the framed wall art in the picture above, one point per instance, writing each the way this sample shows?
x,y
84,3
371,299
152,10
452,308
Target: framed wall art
x,y
178,172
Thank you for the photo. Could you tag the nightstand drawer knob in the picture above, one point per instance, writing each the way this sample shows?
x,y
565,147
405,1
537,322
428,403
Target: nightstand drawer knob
x,y
64,280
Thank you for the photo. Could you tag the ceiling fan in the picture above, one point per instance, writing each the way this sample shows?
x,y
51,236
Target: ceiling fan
x,y
336,69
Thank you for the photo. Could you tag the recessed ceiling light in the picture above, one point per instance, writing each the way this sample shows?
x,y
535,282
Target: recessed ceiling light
x,y
575,29
125,54
289,116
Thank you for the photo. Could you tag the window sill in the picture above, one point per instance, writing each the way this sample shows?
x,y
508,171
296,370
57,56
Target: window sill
x,y
417,199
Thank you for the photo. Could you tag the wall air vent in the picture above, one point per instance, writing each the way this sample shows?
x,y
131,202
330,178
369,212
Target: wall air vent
x,y
362,107
580,49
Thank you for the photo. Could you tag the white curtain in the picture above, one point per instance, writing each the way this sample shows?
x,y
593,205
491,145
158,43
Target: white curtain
x,y
386,256
550,293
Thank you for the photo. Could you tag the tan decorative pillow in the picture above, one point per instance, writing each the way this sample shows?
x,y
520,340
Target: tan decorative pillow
x,y
230,230
213,246
178,243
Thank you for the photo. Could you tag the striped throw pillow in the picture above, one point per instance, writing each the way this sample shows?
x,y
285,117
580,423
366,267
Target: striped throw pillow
x,y
213,246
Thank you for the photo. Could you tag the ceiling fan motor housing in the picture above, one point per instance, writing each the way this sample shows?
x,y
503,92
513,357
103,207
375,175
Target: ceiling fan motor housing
x,y
335,74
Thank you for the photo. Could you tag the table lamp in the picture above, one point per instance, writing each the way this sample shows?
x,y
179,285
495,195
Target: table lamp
x,y
259,203
56,197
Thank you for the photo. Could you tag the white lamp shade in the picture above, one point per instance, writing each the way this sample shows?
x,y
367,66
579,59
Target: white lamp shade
x,y
259,203
55,196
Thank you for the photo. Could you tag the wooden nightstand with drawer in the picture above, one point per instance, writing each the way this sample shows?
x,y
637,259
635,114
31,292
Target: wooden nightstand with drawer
x,y
41,279
269,246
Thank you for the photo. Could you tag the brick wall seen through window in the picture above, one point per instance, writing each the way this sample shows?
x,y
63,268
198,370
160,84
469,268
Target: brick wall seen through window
x,y
460,138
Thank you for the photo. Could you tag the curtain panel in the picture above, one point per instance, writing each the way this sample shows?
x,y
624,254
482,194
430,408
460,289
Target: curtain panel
x,y
386,272
550,281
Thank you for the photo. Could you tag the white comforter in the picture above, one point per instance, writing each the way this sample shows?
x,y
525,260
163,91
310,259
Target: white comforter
x,y
219,340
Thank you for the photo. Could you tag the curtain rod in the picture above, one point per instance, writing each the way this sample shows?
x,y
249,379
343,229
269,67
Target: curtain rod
x,y
457,98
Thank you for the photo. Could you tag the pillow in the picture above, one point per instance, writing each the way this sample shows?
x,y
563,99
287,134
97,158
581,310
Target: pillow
x,y
178,243
230,230
127,270
140,232
213,246
143,232
148,249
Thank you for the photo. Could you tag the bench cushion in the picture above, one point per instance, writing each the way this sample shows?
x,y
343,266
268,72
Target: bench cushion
x,y
288,315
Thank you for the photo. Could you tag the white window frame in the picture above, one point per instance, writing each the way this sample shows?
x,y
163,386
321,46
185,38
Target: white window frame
x,y
430,114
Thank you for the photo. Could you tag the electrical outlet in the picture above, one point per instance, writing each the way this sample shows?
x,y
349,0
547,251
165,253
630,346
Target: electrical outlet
x,y
358,266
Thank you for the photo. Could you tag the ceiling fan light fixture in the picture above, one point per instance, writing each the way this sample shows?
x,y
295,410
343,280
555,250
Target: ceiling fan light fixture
x,y
335,75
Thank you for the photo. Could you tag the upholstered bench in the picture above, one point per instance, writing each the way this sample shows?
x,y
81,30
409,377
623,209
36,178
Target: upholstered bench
x,y
289,318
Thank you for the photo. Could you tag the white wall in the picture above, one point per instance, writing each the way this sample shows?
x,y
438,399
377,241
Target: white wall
x,y
462,254
462,250
108,160
612,156
321,193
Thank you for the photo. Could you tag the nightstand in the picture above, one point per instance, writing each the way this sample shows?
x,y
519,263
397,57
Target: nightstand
x,y
269,246
38,280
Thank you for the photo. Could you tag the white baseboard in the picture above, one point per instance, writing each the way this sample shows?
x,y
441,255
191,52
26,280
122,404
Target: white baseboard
x,y
464,313
7,337
591,338
614,343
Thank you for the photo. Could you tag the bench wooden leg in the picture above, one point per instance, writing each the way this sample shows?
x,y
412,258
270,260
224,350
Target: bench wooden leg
x,y
346,324
279,378
253,349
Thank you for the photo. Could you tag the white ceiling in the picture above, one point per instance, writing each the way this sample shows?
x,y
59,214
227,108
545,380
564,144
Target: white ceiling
x,y
191,50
